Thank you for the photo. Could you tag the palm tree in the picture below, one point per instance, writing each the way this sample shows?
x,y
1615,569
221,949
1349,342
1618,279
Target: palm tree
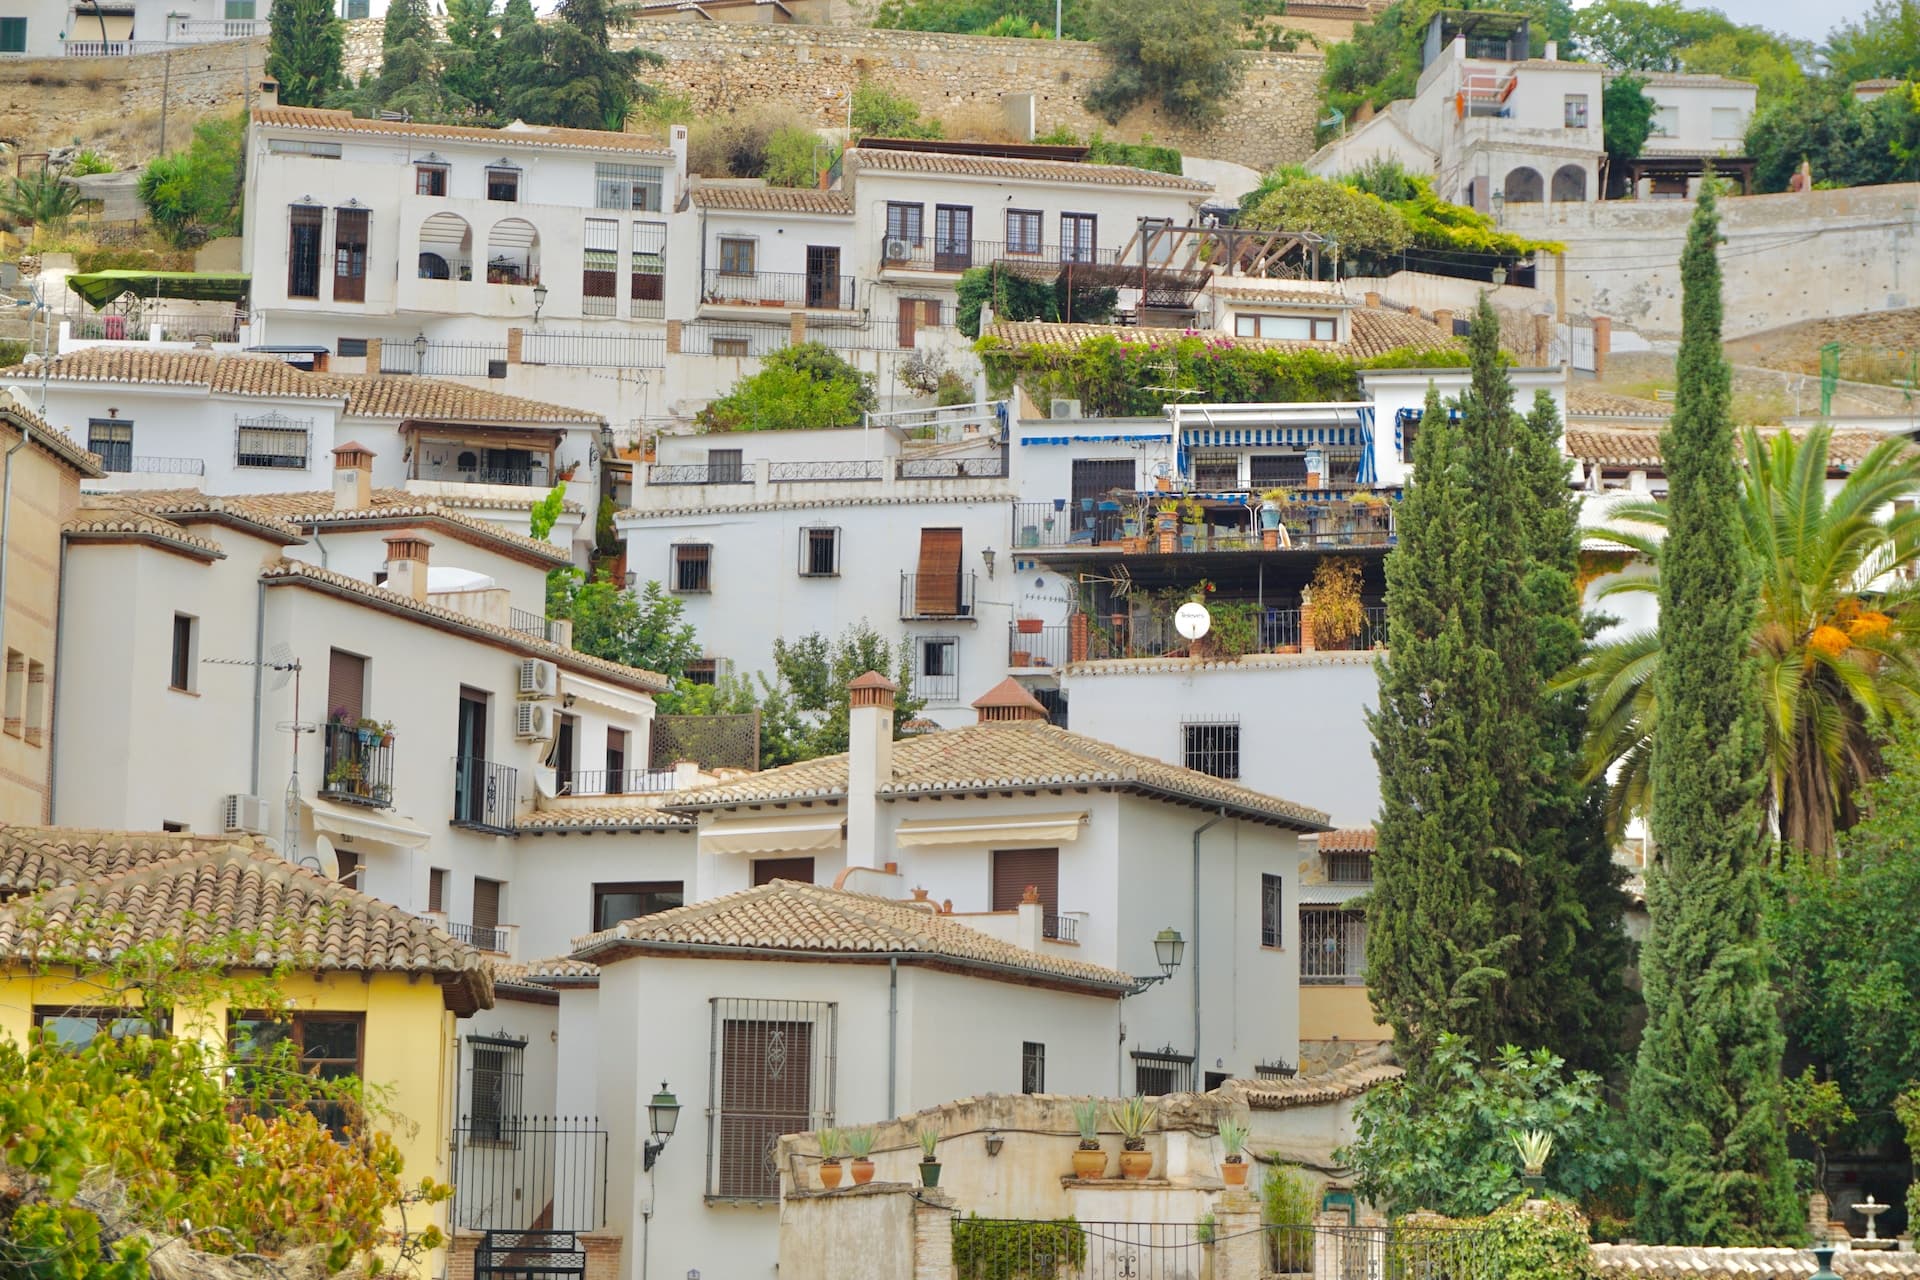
x,y
1836,636
41,199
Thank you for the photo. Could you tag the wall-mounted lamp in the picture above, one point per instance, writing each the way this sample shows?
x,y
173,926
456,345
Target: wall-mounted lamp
x,y
663,1113
994,1142
1499,275
987,554
1168,950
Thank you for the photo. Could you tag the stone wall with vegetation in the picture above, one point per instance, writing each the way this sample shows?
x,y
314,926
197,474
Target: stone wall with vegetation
x,y
115,104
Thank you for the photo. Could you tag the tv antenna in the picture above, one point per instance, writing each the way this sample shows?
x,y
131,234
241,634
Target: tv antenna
x,y
1121,581
285,667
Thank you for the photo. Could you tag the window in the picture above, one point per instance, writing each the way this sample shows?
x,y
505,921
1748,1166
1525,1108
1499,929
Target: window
x,y
616,761
186,655
767,870
75,1029
357,9
430,180
904,222
1077,234
1272,903
350,255
702,671
1333,947
820,553
177,828
647,287
952,237
327,1046
239,10
351,347
271,441
1161,1072
303,251
1023,231
493,1087
1033,1067
36,703
112,439
629,900
1211,747
1729,123
1271,470
1666,121
730,347
503,183
725,466
937,590
1216,471
303,147
437,889
937,678
1348,867
772,1074
692,566
347,867
1017,870
636,187
1287,328
16,691
13,35
1576,111
736,256
600,268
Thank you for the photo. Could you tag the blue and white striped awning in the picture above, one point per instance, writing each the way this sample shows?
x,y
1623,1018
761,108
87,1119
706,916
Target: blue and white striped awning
x,y
1411,416
1265,437
1149,438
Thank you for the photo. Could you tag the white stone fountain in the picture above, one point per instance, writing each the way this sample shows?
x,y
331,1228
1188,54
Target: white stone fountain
x,y
1870,1209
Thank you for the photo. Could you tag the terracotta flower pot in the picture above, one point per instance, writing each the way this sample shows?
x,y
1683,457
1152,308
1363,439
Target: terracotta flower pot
x,y
1233,1171
1028,626
862,1172
829,1174
1136,1164
1089,1162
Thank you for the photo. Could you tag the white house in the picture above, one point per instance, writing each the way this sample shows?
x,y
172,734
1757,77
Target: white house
x,y
1697,119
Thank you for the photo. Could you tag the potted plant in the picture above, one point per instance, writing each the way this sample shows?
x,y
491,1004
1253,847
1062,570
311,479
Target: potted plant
x,y
860,1146
831,1145
1027,626
1133,1117
1534,1146
929,1157
1089,1159
1233,1137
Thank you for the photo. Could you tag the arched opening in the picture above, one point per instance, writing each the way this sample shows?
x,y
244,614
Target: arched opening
x,y
1524,186
513,252
1569,183
446,248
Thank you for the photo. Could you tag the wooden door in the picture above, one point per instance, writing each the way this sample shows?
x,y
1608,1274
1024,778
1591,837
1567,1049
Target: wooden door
x,y
915,312
486,903
823,276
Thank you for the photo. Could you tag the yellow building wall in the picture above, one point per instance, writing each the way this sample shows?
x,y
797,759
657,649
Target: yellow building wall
x,y
45,494
1343,1013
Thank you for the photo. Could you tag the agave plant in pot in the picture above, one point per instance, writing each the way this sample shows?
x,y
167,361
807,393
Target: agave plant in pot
x,y
860,1147
1089,1159
832,1146
1534,1146
1233,1137
929,1157
1133,1117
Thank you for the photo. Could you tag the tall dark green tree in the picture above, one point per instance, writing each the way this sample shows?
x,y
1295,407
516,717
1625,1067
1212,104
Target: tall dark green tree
x,y
305,51
1705,1101
520,52
470,59
585,83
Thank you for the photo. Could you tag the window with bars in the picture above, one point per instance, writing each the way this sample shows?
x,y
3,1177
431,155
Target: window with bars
x,y
635,187
904,222
503,183
693,566
112,439
600,268
303,250
1275,470
1576,110
1272,905
351,347
1216,471
272,441
1162,1071
1033,1067
494,1077
1333,947
1211,747
647,285
937,678
820,553
303,147
1348,868
1077,237
350,255
702,671
771,1074
430,180
1023,231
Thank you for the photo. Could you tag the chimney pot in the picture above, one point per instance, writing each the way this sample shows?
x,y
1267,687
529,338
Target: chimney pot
x,y
407,565
1009,701
869,765
1372,298
352,477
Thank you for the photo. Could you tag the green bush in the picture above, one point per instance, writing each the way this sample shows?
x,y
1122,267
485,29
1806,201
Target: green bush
x,y
1367,229
195,194
1185,57
1015,295
985,17
876,113
1012,1250
802,387
12,352
796,156
1288,1200
90,162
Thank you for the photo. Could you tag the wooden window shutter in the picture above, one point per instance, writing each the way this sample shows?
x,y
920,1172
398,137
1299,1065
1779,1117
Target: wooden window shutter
x,y
486,903
1015,869
346,684
936,591
765,1091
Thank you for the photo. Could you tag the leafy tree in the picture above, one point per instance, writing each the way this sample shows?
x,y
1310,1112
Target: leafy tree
x,y
1626,114
546,513
1381,61
588,84
783,730
1366,229
985,17
1015,295
877,112
521,50
1184,55
816,671
1847,143
1705,1100
801,387
305,51
470,60
795,157
644,628
1644,35
1750,53
1444,1142
1884,43
43,199
196,194
409,79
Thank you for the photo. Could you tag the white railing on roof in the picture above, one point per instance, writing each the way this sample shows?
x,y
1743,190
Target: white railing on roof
x,y
208,30
948,424
110,48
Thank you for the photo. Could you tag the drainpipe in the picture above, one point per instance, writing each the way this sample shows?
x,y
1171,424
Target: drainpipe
x,y
59,677
259,673
893,1032
1199,831
6,516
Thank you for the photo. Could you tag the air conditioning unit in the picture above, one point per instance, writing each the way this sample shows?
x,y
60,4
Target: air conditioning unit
x,y
1063,409
538,678
897,251
246,814
533,721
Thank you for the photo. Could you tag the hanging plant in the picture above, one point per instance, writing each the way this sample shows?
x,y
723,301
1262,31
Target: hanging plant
x,y
1334,610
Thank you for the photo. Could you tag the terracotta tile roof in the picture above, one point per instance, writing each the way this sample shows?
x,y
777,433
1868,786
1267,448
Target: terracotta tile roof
x,y
998,756
860,159
485,502
190,506
516,134
760,199
945,496
290,916
1593,402
1376,331
430,399
1008,693
785,916
51,438
116,523
1620,1261
292,572
297,512
554,971
36,858
1245,289
632,817
1880,82
1349,1081
1635,448
1350,840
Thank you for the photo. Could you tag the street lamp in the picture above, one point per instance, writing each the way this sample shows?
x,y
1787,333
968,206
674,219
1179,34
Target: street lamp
x,y
662,1114
419,352
1168,949
539,301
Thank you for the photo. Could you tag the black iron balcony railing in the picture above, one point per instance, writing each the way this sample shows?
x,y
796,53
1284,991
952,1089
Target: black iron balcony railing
x,y
1060,928
700,473
936,595
984,467
474,935
950,254
359,765
776,290
1032,644
483,795
821,471
614,782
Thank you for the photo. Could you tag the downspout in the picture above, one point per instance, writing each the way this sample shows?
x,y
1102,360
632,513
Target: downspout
x,y
893,1032
1199,831
6,515
259,673
59,675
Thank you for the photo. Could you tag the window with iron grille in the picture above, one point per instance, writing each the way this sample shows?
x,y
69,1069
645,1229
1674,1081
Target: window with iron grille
x,y
702,671
1162,1071
350,255
636,187
771,1073
937,677
494,1073
1348,868
1077,237
272,441
820,553
1216,471
600,268
503,183
303,251
1033,1067
351,347
1271,470
1023,231
693,566
1211,747
1333,947
1272,904
647,285
1343,466
112,439
1576,110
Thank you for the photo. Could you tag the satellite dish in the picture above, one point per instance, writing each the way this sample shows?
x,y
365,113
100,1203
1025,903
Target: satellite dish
x,y
324,855
1192,620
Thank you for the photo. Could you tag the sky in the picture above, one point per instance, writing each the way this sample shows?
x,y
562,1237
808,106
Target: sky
x,y
1803,19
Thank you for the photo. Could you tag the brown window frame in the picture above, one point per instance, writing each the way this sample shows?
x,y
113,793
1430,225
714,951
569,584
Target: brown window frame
x,y
607,889
738,255
306,227
439,174
684,572
352,233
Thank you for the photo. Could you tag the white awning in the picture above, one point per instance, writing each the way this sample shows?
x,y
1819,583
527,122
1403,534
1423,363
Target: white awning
x,y
351,822
773,833
1041,828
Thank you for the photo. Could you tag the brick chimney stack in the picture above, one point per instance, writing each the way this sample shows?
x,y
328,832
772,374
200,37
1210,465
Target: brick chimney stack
x,y
352,477
407,565
869,764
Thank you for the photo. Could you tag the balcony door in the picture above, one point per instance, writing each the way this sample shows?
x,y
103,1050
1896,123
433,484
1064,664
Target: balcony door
x,y
563,754
470,745
1094,480
952,237
1014,870
823,276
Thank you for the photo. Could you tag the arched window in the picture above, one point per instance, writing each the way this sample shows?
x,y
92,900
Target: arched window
x,y
513,252
1569,184
446,248
1524,186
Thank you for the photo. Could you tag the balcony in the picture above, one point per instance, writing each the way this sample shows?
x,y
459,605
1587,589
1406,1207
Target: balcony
x,y
208,30
777,291
497,939
614,782
1032,645
1312,520
484,795
359,764
145,323
936,595
936,256
1240,627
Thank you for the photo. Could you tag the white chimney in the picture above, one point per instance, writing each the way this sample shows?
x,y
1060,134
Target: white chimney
x,y
1553,51
869,764
352,477
407,565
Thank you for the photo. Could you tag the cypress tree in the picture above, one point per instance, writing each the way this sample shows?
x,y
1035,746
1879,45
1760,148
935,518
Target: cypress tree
x,y
470,60
522,69
305,51
1705,1101
585,82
